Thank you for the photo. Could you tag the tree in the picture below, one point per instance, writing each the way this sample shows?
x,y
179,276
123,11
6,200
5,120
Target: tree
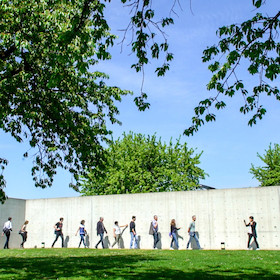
x,y
268,175
49,96
137,164
253,42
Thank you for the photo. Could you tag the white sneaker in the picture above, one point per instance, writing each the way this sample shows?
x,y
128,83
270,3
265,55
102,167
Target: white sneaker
x,y
171,248
258,249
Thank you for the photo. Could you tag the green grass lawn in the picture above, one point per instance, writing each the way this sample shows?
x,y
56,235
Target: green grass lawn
x,y
138,264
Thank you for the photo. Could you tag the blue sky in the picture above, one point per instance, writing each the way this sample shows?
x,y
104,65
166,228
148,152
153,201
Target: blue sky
x,y
229,145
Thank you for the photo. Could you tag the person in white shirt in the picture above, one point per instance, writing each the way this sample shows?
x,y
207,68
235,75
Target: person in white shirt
x,y
7,228
117,234
83,233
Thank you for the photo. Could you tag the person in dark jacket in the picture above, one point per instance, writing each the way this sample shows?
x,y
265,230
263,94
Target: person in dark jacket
x,y
58,232
23,233
100,231
252,231
173,234
133,234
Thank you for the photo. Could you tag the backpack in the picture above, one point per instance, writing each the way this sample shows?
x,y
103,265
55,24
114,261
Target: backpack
x,y
151,230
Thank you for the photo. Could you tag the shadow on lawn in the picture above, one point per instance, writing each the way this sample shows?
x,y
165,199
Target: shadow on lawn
x,y
137,267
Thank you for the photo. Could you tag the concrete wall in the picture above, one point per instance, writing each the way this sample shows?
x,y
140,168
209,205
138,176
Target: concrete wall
x,y
220,215
14,208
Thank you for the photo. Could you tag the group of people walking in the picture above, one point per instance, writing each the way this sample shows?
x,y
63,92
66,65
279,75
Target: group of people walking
x,y
7,228
191,230
117,233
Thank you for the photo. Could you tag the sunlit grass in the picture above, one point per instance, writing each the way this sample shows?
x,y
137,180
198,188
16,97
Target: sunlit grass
x,y
137,264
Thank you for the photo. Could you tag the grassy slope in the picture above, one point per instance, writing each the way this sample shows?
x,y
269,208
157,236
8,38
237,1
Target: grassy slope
x,y
138,264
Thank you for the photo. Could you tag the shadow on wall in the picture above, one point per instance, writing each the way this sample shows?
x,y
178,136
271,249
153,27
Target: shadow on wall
x,y
66,241
253,245
139,241
106,242
193,244
121,243
121,238
159,244
178,238
87,240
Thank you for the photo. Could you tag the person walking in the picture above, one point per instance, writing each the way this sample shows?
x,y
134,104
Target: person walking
x,y
7,228
100,231
23,233
192,233
58,232
133,234
155,231
117,234
173,234
82,232
252,233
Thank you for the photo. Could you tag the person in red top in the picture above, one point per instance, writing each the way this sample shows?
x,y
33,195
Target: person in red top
x,y
252,232
58,232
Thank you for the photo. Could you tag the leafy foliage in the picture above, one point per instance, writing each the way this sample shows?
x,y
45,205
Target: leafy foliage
x,y
3,163
143,28
137,164
49,97
254,41
268,175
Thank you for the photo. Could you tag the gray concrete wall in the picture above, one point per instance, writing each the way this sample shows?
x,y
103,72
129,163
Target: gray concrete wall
x,y
14,208
220,215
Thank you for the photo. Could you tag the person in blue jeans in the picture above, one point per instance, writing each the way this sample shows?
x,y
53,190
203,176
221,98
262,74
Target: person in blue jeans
x,y
7,228
173,234
100,231
191,231
83,232
58,232
133,234
155,231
